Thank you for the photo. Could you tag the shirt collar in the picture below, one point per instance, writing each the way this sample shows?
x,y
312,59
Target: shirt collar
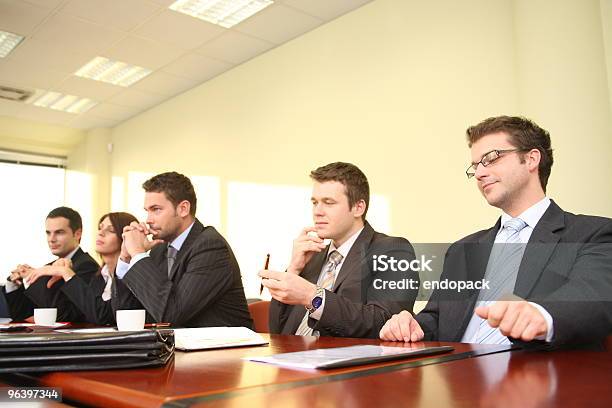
x,y
105,273
346,247
532,215
71,254
180,240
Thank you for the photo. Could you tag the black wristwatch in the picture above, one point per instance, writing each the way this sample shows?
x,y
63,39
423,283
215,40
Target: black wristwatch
x,y
317,300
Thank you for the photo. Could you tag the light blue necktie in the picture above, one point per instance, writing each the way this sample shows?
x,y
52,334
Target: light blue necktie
x,y
502,270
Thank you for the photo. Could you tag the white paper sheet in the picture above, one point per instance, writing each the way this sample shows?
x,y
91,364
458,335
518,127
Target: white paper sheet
x,y
344,356
203,338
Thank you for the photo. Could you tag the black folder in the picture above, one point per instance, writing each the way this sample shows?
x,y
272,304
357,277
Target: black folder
x,y
21,353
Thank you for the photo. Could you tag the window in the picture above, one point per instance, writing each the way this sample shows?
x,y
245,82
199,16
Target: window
x,y
29,192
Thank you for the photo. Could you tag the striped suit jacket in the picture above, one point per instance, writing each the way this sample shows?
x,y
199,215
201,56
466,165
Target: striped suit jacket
x,y
204,287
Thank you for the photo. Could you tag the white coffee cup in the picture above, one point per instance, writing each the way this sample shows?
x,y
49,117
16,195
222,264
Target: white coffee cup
x,y
45,317
130,320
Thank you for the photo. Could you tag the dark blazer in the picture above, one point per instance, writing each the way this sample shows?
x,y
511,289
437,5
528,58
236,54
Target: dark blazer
x,y
566,268
352,308
88,299
204,287
23,301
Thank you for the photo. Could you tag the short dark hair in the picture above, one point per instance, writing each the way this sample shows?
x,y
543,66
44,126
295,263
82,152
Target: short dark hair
x,y
73,217
524,135
175,186
353,179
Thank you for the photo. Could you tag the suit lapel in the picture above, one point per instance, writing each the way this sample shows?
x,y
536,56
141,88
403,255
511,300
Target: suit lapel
x,y
195,232
476,260
542,243
78,255
356,255
158,254
312,271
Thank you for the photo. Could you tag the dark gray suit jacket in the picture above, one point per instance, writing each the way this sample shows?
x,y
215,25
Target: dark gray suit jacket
x,y
352,308
22,302
87,297
566,268
204,287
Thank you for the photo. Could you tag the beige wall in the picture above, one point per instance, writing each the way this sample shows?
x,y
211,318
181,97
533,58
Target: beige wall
x,y
606,22
392,87
563,85
88,181
389,87
33,137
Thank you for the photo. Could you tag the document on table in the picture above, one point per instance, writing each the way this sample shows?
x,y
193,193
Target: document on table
x,y
346,356
204,338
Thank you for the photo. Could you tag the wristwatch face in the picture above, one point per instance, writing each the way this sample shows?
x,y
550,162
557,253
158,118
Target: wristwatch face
x,y
316,302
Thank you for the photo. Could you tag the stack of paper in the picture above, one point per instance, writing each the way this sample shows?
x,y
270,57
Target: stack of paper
x,y
202,338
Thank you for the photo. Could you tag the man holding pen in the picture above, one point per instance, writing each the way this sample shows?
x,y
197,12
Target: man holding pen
x,y
328,289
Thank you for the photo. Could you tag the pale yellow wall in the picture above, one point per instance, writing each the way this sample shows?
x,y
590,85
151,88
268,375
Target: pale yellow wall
x,y
391,87
606,22
88,181
34,137
563,86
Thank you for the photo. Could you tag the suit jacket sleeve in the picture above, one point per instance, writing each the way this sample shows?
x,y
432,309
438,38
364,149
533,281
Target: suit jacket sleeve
x,y
278,314
428,318
454,268
123,299
203,280
582,308
85,267
88,299
20,306
347,316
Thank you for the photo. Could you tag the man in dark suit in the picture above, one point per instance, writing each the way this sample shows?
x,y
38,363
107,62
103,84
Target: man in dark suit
x,y
550,270
334,290
190,278
64,228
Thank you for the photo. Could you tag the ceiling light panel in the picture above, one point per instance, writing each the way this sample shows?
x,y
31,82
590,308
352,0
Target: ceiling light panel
x,y
112,72
8,42
225,13
62,102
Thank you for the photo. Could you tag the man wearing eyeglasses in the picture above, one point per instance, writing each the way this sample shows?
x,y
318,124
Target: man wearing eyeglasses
x,y
550,271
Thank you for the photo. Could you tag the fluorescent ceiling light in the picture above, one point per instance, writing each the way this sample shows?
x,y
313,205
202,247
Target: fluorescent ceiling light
x,y
8,41
61,102
112,72
225,13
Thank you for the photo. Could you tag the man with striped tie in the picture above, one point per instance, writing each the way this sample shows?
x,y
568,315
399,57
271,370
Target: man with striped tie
x,y
549,271
328,289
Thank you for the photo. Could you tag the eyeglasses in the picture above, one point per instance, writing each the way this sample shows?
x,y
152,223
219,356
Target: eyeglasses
x,y
487,159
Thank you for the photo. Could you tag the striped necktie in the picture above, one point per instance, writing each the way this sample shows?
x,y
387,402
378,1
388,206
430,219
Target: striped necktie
x,y
326,281
171,258
502,270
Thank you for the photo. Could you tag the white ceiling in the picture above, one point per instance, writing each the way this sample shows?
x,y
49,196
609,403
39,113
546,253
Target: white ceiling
x,y
62,35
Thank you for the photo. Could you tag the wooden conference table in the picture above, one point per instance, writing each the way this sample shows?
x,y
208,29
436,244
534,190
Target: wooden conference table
x,y
470,376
